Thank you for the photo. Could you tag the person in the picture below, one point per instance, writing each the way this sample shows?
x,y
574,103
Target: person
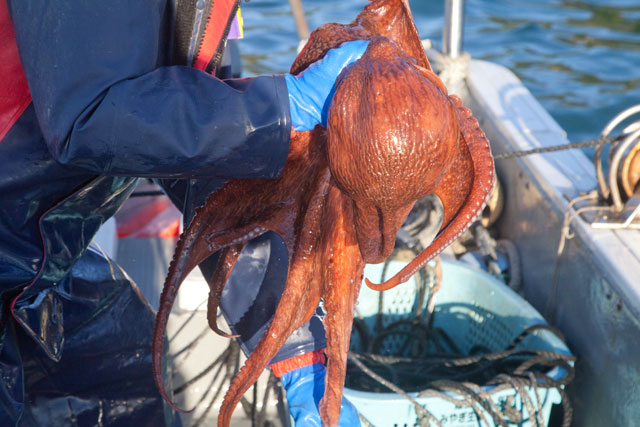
x,y
94,95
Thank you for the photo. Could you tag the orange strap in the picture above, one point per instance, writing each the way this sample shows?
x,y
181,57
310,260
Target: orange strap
x,y
14,92
288,365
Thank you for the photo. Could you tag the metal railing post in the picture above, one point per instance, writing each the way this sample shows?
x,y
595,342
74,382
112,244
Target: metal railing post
x,y
453,28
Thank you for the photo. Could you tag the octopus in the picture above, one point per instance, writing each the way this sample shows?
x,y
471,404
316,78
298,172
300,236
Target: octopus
x,y
393,136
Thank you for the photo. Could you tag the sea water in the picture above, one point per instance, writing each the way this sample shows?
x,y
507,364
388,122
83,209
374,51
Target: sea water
x,y
580,59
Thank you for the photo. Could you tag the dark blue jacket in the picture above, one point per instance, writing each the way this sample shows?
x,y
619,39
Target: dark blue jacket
x,y
109,104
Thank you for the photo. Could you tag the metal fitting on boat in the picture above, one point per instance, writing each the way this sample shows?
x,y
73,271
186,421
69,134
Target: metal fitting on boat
x,y
619,186
623,159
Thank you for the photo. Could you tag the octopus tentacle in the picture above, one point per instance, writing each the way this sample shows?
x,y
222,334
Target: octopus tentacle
x,y
343,277
252,207
460,212
322,40
393,21
202,238
226,262
188,255
297,304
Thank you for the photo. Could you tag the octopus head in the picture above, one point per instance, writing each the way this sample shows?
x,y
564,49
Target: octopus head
x,y
385,165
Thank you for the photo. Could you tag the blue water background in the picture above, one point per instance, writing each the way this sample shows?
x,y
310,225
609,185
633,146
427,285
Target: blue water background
x,y
581,59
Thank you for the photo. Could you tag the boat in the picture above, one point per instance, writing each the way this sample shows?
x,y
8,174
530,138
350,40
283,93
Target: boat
x,y
577,243
581,271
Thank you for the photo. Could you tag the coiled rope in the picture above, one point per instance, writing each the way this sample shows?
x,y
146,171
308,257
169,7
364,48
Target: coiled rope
x,y
439,375
436,367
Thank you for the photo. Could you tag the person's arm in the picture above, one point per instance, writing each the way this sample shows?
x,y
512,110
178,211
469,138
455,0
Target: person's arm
x,y
107,105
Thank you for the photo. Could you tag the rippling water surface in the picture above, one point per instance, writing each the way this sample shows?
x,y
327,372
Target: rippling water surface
x,y
581,59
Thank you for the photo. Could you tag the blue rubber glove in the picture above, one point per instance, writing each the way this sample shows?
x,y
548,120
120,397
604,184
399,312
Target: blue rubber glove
x,y
311,92
305,388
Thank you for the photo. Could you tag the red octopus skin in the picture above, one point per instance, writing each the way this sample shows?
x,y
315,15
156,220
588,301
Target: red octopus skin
x,y
394,135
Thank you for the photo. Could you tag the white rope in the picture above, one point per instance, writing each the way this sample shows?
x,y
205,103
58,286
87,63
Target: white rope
x,y
452,71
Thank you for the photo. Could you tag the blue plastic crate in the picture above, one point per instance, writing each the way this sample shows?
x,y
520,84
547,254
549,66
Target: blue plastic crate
x,y
473,308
